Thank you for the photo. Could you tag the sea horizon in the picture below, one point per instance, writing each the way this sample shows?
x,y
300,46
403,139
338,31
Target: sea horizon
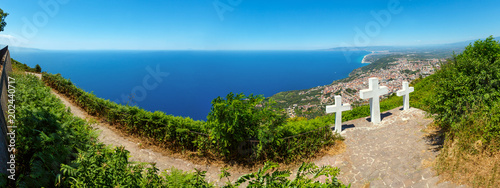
x,y
186,81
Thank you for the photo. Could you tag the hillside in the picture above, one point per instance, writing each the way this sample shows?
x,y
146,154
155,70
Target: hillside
x,y
391,69
464,98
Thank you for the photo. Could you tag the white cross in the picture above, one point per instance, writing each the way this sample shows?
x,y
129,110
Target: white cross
x,y
338,108
405,92
373,93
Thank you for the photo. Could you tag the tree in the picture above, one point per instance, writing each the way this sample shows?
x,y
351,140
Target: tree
x,y
3,15
38,68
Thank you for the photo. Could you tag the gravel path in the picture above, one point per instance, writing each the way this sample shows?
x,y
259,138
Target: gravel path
x,y
394,153
110,136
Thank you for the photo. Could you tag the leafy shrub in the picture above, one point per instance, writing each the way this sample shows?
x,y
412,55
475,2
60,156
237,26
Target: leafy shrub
x,y
23,67
237,119
104,167
464,95
469,79
48,134
306,174
38,68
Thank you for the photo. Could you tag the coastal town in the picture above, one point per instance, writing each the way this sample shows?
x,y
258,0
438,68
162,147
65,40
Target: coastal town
x,y
403,69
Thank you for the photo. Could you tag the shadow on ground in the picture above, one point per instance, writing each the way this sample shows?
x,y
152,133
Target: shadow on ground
x,y
434,138
344,127
382,116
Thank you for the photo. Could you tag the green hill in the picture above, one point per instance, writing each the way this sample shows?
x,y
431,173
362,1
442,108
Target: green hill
x,y
464,98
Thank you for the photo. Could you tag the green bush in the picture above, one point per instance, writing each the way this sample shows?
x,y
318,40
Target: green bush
x,y
237,118
23,67
49,135
38,68
467,95
464,98
469,79
306,174
100,166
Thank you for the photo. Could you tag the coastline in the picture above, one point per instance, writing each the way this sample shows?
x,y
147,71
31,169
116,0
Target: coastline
x,y
364,58
311,103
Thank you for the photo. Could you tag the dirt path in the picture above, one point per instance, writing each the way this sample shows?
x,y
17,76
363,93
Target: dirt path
x,y
394,153
110,136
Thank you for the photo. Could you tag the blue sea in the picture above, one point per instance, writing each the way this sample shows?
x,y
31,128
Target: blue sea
x,y
183,83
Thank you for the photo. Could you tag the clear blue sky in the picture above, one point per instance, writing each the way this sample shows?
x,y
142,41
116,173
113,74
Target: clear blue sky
x,y
249,25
